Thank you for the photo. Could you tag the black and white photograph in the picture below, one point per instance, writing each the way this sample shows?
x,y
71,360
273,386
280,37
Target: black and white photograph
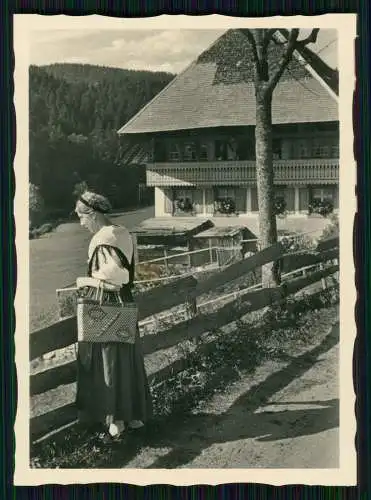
x,y
184,211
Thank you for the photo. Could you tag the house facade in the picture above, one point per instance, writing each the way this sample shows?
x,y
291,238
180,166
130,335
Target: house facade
x,y
199,133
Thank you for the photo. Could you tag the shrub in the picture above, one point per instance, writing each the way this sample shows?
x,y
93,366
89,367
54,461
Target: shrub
x,y
321,207
332,229
226,206
279,206
36,205
297,243
185,205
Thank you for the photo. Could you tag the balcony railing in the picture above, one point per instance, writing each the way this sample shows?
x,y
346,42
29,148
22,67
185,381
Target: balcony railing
x,y
239,173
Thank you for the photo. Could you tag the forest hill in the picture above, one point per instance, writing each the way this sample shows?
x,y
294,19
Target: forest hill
x,y
75,112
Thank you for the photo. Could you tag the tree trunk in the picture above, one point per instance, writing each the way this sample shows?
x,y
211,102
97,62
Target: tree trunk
x,y
265,179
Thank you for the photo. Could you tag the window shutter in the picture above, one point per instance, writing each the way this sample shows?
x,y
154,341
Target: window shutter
x,y
336,197
198,200
290,199
209,195
303,198
254,199
240,199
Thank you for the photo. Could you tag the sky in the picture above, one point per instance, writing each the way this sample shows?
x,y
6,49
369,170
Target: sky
x,y
153,50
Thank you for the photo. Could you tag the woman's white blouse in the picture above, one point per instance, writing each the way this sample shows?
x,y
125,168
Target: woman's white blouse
x,y
110,268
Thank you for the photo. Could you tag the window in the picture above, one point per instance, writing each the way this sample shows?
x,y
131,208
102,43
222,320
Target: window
x,y
231,146
189,152
174,152
160,151
277,149
254,199
323,193
320,148
287,194
204,152
245,149
221,150
188,200
335,150
323,199
226,200
303,149
303,198
225,193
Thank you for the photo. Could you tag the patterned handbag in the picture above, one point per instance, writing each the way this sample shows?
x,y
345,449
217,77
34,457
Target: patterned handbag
x,y
100,320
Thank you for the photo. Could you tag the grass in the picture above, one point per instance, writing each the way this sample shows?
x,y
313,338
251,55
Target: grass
x,y
57,259
215,360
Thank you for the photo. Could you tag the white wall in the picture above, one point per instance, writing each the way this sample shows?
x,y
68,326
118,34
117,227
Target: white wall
x,y
159,202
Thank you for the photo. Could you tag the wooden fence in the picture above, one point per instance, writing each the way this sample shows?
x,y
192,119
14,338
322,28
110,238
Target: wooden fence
x,y
186,290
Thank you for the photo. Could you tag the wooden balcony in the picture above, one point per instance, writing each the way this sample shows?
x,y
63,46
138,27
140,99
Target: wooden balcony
x,y
242,173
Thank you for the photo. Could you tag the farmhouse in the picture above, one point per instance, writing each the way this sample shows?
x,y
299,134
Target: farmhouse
x,y
199,134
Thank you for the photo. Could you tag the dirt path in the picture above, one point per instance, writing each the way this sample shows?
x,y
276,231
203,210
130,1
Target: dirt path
x,y
288,419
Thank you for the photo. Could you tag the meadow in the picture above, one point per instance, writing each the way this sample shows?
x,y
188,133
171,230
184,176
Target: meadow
x,y
58,258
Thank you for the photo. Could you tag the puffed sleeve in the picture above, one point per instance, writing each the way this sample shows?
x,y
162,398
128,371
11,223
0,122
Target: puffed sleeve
x,y
108,267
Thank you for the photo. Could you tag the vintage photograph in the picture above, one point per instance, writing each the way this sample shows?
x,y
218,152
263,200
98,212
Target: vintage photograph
x,y
185,283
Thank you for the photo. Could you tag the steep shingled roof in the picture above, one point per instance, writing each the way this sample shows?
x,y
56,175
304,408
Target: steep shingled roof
x,y
217,90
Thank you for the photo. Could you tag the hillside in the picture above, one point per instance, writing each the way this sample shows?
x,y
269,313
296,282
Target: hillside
x,y
75,112
88,73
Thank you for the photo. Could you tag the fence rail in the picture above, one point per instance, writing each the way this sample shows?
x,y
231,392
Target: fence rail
x,y
185,291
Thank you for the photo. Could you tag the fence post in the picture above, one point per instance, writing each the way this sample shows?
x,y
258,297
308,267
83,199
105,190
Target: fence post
x,y
165,261
323,280
135,247
210,251
189,247
191,306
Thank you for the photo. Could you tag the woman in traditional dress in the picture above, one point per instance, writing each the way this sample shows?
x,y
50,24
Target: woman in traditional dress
x,y
112,386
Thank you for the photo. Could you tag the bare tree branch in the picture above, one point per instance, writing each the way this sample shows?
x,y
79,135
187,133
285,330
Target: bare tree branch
x,y
312,38
268,35
291,44
252,41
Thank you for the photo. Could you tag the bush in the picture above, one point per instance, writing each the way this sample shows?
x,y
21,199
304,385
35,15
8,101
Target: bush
x,y
279,206
332,229
226,206
297,243
184,205
321,207
36,205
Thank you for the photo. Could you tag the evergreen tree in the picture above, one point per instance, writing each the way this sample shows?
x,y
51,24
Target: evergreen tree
x,y
75,112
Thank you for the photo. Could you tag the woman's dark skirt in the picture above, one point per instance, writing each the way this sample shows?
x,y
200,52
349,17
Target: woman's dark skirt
x,y
112,382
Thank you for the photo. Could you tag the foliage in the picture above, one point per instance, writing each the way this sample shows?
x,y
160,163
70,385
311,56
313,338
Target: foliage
x,y
75,113
297,242
226,206
36,205
184,204
290,309
220,357
321,207
279,205
216,359
332,229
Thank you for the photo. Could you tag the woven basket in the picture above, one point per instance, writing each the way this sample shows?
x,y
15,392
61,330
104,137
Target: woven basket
x,y
99,321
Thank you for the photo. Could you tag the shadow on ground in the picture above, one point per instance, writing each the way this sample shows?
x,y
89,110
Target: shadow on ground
x,y
189,436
